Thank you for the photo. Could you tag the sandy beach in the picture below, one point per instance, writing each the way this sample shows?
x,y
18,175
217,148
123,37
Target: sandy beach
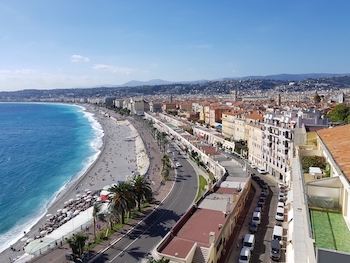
x,y
118,160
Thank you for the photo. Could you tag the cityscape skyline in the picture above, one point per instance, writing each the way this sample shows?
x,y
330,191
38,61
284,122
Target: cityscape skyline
x,y
51,45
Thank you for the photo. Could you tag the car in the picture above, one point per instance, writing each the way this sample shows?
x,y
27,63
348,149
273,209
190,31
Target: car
x,y
258,209
275,250
168,151
279,214
282,197
253,166
281,186
253,227
280,204
245,255
263,195
261,200
256,217
261,171
178,164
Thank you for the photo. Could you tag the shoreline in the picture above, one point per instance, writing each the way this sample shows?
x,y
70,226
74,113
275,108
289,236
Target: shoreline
x,y
117,159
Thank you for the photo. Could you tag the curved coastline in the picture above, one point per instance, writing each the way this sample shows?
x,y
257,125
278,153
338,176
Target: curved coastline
x,y
77,184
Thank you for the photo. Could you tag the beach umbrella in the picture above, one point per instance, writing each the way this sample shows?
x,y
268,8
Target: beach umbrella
x,y
48,215
106,187
24,239
64,210
71,200
44,232
29,240
59,210
86,190
78,195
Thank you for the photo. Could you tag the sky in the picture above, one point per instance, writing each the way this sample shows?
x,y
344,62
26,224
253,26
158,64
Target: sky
x,y
47,44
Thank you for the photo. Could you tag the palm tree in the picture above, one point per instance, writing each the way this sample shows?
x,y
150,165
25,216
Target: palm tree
x,y
123,199
162,260
77,243
96,210
142,189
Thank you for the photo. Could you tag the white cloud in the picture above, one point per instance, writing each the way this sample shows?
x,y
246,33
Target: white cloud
x,y
112,69
11,80
78,58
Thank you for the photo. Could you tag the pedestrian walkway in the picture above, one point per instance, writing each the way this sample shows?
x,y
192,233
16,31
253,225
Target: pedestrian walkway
x,y
160,188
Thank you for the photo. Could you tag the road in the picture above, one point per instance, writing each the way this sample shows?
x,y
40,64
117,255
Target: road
x,y
134,246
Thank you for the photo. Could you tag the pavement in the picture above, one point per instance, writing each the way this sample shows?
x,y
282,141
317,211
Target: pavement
x,y
160,189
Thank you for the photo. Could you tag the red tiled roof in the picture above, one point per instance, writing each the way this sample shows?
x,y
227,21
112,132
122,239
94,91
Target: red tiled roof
x,y
201,223
337,140
209,150
178,246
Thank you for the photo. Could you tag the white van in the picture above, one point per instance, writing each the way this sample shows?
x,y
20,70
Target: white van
x,y
256,217
244,256
277,233
280,214
249,241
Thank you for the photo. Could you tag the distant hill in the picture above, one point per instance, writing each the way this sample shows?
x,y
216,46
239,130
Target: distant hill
x,y
152,82
281,77
294,77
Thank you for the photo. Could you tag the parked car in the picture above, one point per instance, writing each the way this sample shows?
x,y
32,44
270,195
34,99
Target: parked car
x,y
275,251
279,214
280,204
258,209
281,186
249,241
261,200
253,227
178,164
245,255
282,197
261,171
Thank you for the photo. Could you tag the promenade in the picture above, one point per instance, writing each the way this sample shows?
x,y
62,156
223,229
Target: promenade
x,y
161,190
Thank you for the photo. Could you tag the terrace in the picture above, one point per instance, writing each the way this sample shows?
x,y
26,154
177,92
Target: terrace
x,y
329,230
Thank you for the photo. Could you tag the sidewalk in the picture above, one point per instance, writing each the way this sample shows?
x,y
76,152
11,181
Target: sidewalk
x,y
161,190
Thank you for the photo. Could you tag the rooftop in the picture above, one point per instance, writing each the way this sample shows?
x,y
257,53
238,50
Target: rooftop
x,y
337,141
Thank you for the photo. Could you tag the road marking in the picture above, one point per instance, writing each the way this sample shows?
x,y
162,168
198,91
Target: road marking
x,y
124,250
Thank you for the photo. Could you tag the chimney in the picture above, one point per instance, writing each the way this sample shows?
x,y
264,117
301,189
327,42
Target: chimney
x,y
211,237
220,226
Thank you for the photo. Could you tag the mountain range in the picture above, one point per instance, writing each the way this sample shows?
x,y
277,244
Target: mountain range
x,y
283,77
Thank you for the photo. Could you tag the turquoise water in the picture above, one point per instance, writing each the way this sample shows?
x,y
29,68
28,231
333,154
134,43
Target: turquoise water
x,y
42,148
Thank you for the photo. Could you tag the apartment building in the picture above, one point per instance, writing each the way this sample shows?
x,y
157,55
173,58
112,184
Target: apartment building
x,y
255,144
201,235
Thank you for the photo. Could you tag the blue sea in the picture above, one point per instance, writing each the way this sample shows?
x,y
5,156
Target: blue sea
x,y
42,148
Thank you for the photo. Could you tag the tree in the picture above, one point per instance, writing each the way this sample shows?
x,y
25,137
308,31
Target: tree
x,y
123,199
77,243
143,190
340,113
162,260
96,210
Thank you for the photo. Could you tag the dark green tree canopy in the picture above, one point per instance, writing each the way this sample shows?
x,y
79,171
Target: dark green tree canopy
x,y
340,113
